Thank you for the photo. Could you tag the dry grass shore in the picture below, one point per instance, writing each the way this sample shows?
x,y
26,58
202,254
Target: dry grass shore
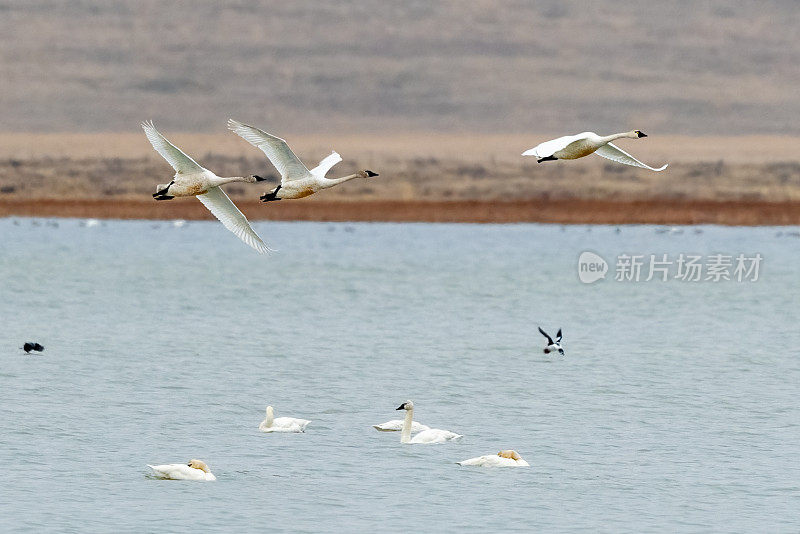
x,y
423,177
742,213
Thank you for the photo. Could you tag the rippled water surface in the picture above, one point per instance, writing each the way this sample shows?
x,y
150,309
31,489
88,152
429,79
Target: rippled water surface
x,y
675,408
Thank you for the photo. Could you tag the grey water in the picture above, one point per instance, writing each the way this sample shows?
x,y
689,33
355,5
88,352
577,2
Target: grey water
x,y
675,408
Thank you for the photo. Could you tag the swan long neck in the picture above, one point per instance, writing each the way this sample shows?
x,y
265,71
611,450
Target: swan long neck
x,y
405,436
270,416
614,137
330,182
219,180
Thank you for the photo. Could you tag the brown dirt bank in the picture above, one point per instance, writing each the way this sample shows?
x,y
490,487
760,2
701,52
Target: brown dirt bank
x,y
747,213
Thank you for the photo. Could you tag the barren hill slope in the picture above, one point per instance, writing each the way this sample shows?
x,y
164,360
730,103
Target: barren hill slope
x,y
669,66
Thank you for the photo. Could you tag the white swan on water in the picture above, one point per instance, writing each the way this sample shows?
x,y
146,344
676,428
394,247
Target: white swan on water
x,y
509,458
194,470
193,180
431,435
282,424
396,425
583,144
296,180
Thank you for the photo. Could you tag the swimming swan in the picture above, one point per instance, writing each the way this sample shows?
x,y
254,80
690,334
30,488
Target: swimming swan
x,y
431,435
583,144
296,180
509,458
282,424
194,470
193,180
396,425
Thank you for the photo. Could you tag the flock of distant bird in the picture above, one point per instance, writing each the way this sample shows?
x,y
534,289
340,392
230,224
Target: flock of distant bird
x,y
198,470
423,434
192,179
297,181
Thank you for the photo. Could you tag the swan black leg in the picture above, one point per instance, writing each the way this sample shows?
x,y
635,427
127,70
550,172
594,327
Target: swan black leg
x,y
163,192
548,158
273,195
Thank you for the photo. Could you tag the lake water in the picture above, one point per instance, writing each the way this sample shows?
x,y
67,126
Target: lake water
x,y
675,408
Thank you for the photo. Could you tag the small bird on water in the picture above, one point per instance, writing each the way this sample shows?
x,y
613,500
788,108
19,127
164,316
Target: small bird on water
x,y
29,346
552,346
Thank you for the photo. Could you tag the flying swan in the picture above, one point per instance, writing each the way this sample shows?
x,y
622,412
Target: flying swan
x,y
282,424
431,435
194,470
193,180
509,458
583,144
296,180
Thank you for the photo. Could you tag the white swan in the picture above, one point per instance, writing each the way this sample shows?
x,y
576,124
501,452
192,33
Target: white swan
x,y
583,144
296,180
509,458
193,180
194,470
282,424
396,425
431,435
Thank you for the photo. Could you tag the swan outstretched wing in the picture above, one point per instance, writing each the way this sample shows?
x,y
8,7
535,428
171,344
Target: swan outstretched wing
x,y
182,163
614,153
234,220
276,149
326,164
548,148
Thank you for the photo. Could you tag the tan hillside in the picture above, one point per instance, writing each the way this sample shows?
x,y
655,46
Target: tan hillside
x,y
668,67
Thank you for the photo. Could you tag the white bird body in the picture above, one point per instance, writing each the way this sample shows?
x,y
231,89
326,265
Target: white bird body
x,y
501,459
428,436
553,346
194,470
302,187
282,424
193,180
396,425
296,180
434,435
583,144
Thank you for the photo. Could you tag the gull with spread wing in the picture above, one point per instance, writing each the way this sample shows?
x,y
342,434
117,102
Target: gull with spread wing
x,y
553,346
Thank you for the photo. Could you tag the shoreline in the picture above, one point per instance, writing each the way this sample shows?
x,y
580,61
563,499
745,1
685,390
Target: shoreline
x,y
560,211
